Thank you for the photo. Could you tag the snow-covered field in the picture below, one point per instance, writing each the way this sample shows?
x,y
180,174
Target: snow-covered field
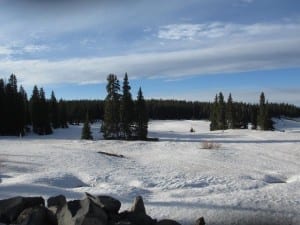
x,y
252,177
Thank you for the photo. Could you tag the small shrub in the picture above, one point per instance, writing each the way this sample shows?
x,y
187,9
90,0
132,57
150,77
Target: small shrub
x,y
210,145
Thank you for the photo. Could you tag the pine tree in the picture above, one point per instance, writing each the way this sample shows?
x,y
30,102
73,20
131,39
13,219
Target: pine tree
x,y
126,110
23,110
111,123
2,107
35,110
13,117
141,126
214,115
221,112
62,114
54,113
45,126
86,130
261,119
230,120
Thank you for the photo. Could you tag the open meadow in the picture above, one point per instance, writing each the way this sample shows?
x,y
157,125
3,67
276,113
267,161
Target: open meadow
x,y
246,176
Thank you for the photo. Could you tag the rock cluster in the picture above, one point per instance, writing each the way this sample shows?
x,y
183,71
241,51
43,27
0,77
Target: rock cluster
x,y
92,210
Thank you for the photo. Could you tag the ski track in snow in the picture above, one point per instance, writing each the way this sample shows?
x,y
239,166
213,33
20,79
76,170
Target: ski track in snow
x,y
253,176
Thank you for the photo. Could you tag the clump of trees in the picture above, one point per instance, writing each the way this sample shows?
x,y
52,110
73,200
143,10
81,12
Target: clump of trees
x,y
17,113
231,115
123,117
13,107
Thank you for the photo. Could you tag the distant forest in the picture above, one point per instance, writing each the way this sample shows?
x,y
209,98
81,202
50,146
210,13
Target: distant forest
x,y
19,113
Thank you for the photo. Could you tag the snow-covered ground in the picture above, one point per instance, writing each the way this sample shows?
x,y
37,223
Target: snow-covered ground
x,y
253,176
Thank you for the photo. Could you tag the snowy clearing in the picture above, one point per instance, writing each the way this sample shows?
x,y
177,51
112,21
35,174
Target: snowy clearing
x,y
253,177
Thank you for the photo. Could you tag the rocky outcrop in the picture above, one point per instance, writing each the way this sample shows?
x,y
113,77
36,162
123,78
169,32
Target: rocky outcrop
x,y
92,210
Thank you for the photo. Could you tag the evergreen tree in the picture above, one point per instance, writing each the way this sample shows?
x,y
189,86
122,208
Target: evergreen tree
x,y
261,119
141,126
86,130
12,121
54,113
22,110
214,115
111,123
126,110
230,120
45,126
221,112
2,107
62,114
35,110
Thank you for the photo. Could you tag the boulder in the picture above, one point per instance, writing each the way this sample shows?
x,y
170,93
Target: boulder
x,y
81,212
138,206
109,204
136,218
36,216
58,201
200,221
168,222
12,207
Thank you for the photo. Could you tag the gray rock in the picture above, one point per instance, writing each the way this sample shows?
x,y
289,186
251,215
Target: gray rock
x,y
168,222
109,204
36,216
58,201
137,218
138,206
200,221
81,212
12,207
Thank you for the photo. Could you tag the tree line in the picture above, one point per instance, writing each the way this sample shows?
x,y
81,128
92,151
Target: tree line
x,y
18,113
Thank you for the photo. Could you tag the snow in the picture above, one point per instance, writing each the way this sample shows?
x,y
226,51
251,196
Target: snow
x,y
253,177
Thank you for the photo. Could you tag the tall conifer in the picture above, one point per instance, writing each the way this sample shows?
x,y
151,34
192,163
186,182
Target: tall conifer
x,y
62,114
141,129
44,109
126,110
214,115
54,113
111,123
2,108
35,110
230,120
221,112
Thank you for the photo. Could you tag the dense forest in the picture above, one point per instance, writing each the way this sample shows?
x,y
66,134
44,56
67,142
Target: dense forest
x,y
20,113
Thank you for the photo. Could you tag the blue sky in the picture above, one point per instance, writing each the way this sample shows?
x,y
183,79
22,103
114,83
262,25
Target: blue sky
x,y
174,49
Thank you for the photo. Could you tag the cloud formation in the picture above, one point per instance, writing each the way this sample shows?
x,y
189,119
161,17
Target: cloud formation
x,y
216,30
262,55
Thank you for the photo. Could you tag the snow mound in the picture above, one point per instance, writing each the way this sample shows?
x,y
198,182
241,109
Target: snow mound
x,y
64,181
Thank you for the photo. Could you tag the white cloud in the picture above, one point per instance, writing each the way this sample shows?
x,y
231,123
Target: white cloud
x,y
218,30
35,48
238,57
247,1
5,50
